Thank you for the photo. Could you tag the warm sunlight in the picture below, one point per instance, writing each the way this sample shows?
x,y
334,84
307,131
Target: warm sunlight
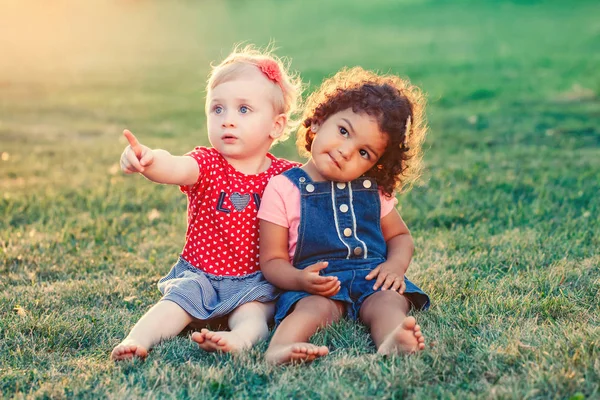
x,y
67,38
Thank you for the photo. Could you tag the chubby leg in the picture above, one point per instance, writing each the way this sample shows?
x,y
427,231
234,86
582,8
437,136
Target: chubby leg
x,y
164,320
290,341
385,313
248,324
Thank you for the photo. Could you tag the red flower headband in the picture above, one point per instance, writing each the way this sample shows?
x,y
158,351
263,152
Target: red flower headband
x,y
271,69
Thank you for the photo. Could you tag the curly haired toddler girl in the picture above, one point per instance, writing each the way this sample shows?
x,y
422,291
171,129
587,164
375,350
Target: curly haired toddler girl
x,y
330,233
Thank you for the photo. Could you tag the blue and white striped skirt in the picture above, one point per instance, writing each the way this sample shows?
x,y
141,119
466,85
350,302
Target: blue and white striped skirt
x,y
205,296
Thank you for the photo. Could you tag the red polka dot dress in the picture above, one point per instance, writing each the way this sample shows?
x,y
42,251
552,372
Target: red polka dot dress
x,y
219,268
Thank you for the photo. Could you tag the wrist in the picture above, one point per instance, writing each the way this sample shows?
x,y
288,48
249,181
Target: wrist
x,y
299,280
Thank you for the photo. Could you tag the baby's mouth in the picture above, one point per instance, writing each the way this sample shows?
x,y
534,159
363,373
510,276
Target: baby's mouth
x,y
228,138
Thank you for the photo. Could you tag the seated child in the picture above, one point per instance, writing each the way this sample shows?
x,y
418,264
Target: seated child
x,y
250,97
330,233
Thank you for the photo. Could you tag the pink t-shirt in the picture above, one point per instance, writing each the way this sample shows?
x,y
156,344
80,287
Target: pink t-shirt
x,y
222,233
281,206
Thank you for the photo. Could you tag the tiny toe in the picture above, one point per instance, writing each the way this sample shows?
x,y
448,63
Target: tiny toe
x,y
421,346
198,337
409,322
421,339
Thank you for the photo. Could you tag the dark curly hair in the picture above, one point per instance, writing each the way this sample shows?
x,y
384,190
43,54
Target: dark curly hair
x,y
394,102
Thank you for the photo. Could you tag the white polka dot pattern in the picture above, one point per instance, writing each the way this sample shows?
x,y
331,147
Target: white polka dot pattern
x,y
222,233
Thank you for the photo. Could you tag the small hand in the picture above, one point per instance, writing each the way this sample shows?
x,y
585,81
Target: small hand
x,y
136,157
387,278
314,283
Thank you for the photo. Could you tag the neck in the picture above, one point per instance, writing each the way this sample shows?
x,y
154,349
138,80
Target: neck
x,y
312,171
250,166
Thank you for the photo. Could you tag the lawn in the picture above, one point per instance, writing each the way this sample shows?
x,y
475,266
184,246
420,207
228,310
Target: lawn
x,y
506,218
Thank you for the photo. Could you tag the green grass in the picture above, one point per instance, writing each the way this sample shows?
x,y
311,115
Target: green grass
x,y
505,219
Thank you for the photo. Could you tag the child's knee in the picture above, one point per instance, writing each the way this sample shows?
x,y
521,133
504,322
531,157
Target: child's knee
x,y
320,308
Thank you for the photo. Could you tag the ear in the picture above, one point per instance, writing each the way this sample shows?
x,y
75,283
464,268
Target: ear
x,y
279,124
314,127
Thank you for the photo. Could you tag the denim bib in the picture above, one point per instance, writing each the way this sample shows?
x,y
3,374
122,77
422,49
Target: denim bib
x,y
340,222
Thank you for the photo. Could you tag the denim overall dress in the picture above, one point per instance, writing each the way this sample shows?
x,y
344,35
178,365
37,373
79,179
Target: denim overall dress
x,y
340,223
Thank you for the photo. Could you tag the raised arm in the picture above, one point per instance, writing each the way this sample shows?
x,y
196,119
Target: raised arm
x,y
275,265
158,165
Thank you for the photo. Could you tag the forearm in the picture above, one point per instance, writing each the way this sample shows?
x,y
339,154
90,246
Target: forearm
x,y
400,251
169,169
282,274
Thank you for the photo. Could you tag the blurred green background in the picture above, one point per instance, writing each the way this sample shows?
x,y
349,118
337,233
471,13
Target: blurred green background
x,y
505,218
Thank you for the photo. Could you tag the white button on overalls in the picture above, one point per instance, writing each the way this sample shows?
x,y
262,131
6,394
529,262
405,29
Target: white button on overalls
x,y
347,232
367,184
310,188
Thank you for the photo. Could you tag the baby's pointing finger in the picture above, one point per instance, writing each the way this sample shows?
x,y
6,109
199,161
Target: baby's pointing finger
x,y
133,142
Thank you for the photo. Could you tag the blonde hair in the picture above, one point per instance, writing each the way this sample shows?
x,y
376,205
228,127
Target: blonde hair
x,y
287,92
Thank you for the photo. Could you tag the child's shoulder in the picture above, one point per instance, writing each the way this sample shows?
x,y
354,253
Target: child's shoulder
x,y
283,163
280,189
209,159
279,166
202,151
281,179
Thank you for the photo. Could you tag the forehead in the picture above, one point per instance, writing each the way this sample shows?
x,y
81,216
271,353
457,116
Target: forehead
x,y
252,85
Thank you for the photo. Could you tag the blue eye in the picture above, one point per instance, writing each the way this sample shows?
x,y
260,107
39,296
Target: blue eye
x,y
218,110
343,131
244,109
364,154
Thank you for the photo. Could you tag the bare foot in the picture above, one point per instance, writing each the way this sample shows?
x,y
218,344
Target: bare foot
x,y
294,353
227,342
406,338
127,350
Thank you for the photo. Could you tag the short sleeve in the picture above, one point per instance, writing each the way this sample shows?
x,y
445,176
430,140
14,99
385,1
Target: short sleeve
x,y
272,205
203,157
388,203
